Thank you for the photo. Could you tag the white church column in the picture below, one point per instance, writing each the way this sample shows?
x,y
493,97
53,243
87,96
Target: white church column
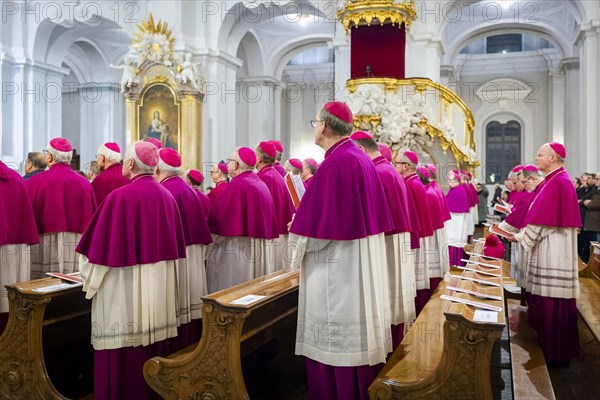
x,y
294,97
573,138
97,105
426,47
589,77
32,98
557,106
116,115
341,51
53,97
219,109
44,95
258,94
278,132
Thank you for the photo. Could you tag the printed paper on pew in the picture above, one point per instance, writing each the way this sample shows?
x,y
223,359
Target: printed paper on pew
x,y
471,303
485,316
247,300
55,288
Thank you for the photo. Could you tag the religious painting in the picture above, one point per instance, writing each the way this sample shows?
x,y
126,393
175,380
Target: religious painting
x,y
159,113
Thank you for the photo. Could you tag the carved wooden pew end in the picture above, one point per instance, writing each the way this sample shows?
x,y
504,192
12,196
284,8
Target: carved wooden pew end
x,y
446,354
45,350
213,368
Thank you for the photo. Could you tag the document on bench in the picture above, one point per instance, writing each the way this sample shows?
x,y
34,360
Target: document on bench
x,y
473,293
247,300
471,303
485,316
481,255
57,287
480,263
477,271
482,281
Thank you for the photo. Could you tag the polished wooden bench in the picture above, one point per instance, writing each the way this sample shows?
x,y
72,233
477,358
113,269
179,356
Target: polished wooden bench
x,y
45,350
212,368
446,353
588,303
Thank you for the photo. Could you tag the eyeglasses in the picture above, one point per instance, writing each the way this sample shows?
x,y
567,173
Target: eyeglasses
x,y
401,162
314,122
526,180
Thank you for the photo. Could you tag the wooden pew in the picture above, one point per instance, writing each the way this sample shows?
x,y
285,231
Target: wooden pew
x,y
45,348
445,354
588,303
212,368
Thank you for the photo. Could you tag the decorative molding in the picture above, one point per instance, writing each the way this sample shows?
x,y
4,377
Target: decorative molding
x,y
36,64
221,56
590,28
504,90
500,64
261,80
318,73
567,64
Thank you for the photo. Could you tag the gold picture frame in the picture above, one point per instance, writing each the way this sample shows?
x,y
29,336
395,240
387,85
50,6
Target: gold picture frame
x,y
159,115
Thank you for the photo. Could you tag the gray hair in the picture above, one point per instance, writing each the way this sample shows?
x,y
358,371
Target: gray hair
x,y
140,166
60,157
167,169
266,159
110,155
243,165
337,126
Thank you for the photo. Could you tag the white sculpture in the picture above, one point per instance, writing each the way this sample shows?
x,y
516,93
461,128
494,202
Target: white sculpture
x,y
130,77
189,72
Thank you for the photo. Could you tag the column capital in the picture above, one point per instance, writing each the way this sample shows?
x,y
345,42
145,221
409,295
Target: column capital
x,y
568,64
261,80
587,29
426,39
221,57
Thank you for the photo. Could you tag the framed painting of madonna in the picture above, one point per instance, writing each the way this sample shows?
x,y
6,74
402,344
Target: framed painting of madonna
x,y
159,113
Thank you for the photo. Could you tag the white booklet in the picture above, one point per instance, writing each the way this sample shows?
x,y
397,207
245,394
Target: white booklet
x,y
247,300
471,303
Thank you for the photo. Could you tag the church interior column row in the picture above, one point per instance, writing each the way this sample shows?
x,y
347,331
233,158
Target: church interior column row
x,y
590,60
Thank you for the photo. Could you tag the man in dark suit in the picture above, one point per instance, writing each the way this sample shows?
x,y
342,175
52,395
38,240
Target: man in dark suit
x,y
34,164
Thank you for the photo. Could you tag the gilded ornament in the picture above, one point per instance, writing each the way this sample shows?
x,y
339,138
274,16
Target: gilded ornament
x,y
367,12
154,41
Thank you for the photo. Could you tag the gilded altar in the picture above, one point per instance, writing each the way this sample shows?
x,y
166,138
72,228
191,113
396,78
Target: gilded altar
x,y
164,93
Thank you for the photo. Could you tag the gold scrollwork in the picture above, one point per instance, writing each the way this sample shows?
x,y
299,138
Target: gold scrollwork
x,y
367,122
446,144
420,85
391,85
357,12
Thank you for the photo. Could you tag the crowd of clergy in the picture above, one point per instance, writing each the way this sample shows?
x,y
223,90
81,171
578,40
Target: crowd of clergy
x,y
373,235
